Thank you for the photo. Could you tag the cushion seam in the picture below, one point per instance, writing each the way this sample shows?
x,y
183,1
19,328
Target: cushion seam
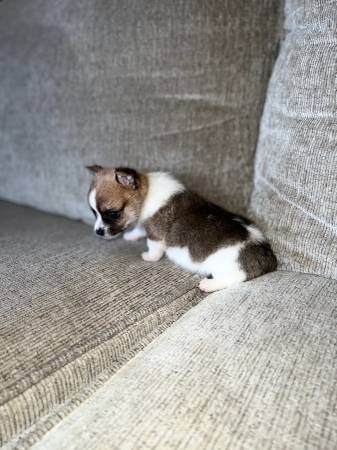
x,y
260,177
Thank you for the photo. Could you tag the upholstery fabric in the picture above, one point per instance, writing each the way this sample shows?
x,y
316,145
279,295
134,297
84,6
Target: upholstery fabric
x,y
295,194
73,307
253,367
175,85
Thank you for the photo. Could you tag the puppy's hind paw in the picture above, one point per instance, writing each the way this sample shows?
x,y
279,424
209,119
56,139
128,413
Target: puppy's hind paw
x,y
210,285
151,257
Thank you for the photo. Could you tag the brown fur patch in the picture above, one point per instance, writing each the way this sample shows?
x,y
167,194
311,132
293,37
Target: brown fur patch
x,y
257,259
189,220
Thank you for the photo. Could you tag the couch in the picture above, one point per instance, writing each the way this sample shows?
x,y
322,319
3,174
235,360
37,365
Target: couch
x,y
101,350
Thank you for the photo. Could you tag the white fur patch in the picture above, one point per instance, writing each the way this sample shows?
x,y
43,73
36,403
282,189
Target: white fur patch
x,y
99,222
162,186
255,234
182,257
92,202
136,233
223,264
155,250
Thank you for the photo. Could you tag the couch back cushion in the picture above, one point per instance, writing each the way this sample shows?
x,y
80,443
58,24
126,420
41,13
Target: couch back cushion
x,y
175,85
295,194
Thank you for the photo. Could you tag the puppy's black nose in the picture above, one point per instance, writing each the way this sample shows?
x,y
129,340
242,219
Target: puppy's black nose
x,y
100,231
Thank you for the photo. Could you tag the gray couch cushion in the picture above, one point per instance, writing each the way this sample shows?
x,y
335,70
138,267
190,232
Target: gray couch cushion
x,y
295,196
73,309
248,368
175,84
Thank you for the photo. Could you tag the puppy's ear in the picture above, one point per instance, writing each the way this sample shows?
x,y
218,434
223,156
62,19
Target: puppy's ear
x,y
95,168
127,178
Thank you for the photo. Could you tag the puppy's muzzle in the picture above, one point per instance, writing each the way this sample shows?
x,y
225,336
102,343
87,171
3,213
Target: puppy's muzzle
x,y
105,233
100,232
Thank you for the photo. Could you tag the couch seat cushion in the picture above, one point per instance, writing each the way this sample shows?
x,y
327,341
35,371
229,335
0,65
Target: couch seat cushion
x,y
253,367
73,307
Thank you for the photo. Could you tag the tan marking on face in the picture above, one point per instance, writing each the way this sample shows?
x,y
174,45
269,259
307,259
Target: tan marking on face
x,y
110,194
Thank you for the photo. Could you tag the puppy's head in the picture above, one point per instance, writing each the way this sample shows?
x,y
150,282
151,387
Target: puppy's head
x,y
115,198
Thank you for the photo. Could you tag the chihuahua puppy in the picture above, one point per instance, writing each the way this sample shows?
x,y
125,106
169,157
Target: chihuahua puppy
x,y
195,234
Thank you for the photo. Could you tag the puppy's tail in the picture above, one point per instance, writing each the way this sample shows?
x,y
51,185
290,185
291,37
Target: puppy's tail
x,y
257,258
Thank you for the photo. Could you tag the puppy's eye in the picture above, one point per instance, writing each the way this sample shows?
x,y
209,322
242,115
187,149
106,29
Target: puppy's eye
x,y
94,212
112,214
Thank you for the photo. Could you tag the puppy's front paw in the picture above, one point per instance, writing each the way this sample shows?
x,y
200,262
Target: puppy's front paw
x,y
147,256
131,236
136,233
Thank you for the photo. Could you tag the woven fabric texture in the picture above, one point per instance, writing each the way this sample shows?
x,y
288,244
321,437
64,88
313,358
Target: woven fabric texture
x,y
253,367
72,307
175,85
295,195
